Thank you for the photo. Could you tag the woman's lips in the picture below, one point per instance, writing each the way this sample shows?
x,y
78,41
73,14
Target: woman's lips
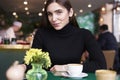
x,y
56,25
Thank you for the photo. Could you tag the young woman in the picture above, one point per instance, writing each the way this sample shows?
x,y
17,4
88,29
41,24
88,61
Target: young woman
x,y
60,35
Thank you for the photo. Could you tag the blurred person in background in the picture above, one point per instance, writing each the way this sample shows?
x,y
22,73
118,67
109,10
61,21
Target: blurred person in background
x,y
9,31
107,41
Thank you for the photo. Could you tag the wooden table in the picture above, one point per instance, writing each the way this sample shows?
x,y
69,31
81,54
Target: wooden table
x,y
17,46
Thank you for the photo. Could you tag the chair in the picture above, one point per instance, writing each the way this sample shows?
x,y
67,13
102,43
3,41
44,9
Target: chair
x,y
109,56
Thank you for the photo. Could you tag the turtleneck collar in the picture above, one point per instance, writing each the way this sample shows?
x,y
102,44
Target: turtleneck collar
x,y
69,28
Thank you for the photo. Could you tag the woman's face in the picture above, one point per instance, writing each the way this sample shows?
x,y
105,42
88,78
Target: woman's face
x,y
58,15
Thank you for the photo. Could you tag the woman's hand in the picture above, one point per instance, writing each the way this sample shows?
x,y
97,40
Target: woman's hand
x,y
58,68
84,57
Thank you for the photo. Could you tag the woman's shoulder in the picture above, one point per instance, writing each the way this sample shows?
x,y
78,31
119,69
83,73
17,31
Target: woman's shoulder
x,y
85,31
42,30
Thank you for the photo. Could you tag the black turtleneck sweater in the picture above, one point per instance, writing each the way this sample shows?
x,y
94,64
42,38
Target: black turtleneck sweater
x,y
67,45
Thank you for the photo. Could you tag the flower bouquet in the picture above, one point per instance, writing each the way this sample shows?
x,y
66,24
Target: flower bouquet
x,y
39,60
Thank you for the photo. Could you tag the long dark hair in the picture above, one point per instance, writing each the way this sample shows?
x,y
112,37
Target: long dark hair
x,y
66,4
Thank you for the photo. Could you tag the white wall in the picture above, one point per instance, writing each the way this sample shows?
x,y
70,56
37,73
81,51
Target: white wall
x,y
116,24
107,17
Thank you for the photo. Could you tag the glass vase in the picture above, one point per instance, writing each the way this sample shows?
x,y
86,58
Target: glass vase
x,y
36,73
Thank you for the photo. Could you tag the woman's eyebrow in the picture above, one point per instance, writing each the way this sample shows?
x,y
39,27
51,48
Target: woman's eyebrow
x,y
55,10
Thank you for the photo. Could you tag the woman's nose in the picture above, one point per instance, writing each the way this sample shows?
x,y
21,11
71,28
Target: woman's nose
x,y
54,18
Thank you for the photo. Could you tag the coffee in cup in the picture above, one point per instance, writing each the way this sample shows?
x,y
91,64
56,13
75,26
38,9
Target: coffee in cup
x,y
105,75
74,70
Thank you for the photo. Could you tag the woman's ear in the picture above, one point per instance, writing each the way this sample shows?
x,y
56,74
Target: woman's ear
x,y
71,12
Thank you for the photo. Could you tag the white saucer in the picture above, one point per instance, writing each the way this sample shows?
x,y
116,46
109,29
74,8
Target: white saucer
x,y
79,76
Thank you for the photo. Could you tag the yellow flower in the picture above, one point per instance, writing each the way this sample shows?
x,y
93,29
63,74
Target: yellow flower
x,y
34,55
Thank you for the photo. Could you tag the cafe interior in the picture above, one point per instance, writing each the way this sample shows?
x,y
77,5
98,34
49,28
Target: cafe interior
x,y
90,14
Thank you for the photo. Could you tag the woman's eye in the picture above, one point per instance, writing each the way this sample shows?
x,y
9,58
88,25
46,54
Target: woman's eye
x,y
49,14
58,12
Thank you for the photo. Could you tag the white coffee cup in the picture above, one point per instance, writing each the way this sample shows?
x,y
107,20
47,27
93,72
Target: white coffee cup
x,y
74,70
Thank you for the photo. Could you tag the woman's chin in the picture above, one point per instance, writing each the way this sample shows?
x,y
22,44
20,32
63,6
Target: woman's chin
x,y
58,28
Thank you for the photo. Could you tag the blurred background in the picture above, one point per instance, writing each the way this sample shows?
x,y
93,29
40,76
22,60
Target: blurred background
x,y
90,14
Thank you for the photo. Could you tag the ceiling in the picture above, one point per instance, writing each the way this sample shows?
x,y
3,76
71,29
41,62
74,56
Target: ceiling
x,y
83,4
35,6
